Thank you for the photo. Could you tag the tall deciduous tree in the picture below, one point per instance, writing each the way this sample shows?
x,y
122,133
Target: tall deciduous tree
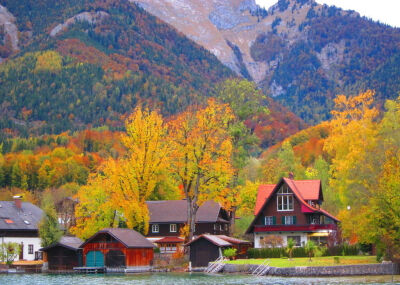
x,y
201,156
122,186
353,138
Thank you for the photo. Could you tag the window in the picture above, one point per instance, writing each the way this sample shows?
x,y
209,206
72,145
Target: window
x,y
288,220
296,239
215,227
172,228
284,199
30,248
220,227
155,228
270,220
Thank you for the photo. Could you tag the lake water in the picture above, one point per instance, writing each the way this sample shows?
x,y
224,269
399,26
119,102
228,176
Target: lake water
x,y
181,278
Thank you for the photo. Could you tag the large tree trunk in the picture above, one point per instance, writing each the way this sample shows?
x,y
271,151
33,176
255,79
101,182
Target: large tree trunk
x,y
232,220
193,207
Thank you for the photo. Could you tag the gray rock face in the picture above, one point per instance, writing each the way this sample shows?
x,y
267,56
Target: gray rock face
x,y
225,17
249,5
90,17
7,20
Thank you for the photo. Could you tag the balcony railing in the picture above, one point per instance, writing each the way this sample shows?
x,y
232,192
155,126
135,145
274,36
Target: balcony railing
x,y
294,228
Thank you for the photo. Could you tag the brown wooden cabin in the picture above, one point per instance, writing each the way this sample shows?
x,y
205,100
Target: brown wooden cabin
x,y
117,248
167,218
206,248
63,255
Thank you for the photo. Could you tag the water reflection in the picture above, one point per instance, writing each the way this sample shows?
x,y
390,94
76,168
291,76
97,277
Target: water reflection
x,y
182,279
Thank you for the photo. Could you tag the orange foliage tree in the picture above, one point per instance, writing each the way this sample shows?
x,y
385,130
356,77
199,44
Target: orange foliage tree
x,y
201,154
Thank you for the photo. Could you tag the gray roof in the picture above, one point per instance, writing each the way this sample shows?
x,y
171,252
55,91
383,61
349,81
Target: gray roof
x,y
220,240
176,211
72,243
130,238
25,219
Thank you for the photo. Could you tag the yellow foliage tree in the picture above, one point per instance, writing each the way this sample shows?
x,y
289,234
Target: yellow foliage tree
x,y
201,154
353,137
48,61
123,186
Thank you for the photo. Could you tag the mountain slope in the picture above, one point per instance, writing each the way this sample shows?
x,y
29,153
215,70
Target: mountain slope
x,y
302,53
95,68
88,63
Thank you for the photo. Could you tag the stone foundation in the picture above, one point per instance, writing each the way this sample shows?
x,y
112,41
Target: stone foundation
x,y
341,270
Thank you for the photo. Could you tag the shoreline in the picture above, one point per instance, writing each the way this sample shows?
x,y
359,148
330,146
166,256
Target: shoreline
x,y
319,271
247,269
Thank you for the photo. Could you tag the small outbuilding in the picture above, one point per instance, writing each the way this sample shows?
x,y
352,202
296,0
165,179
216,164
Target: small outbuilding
x,y
63,255
206,248
118,248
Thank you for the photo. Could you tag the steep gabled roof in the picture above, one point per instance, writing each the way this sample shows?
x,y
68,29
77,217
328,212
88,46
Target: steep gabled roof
x,y
264,191
302,189
72,243
129,238
25,218
175,211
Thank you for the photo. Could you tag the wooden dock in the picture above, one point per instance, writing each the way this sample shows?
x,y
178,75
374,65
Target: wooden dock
x,y
88,270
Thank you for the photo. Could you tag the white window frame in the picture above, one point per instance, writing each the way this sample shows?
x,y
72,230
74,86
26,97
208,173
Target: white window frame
x,y
172,228
31,249
269,220
155,228
289,220
284,198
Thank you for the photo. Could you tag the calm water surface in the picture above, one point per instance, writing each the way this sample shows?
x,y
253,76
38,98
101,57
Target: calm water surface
x,y
181,278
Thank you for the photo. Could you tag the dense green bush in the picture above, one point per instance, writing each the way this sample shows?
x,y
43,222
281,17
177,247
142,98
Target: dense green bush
x,y
343,250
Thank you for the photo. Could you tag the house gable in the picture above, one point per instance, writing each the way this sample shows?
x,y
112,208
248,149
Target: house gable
x,y
274,211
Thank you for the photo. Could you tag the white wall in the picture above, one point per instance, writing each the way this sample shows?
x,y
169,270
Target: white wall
x,y
26,240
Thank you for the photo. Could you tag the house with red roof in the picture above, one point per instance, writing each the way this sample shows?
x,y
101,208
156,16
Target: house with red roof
x,y
291,209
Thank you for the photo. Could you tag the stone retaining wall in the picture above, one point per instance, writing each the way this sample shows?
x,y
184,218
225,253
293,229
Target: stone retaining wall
x,y
341,270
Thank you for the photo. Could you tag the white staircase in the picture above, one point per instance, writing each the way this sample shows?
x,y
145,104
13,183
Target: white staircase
x,y
216,266
262,269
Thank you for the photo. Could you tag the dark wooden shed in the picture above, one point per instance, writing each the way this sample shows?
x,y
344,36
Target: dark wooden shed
x,y
117,248
206,248
63,255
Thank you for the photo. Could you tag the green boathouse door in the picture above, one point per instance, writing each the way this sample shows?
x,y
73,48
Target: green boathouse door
x,y
94,259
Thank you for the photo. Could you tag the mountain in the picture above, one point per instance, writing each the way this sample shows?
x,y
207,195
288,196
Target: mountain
x,y
77,64
302,53
86,62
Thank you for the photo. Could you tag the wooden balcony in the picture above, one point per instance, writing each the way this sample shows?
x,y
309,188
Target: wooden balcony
x,y
294,228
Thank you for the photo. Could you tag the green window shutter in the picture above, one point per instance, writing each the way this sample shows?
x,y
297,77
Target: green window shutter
x,y
283,220
294,220
274,220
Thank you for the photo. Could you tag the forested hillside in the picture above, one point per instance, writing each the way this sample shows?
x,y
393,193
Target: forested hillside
x,y
94,73
89,63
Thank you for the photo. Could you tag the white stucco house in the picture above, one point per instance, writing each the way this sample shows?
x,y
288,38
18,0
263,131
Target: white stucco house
x,y
19,223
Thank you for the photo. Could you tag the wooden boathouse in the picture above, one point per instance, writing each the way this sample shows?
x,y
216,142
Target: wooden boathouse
x,y
117,249
63,255
207,248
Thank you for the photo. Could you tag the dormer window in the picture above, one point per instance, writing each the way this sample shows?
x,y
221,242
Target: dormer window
x,y
284,199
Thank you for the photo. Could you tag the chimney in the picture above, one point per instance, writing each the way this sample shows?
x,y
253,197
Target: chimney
x,y
18,201
291,175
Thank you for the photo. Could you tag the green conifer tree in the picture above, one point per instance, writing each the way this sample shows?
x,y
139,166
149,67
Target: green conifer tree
x,y
49,230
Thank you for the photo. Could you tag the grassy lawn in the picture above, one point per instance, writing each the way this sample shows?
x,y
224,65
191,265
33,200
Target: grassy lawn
x,y
304,261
